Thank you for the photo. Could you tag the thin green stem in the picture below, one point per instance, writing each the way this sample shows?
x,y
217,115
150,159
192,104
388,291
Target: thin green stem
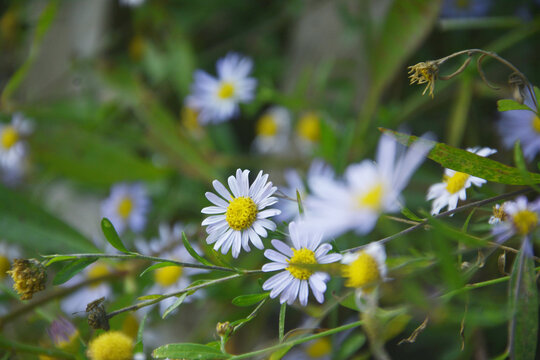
x,y
18,347
297,341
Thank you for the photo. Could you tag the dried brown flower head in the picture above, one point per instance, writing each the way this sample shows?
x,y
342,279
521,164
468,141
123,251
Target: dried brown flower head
x,y
97,315
223,328
29,277
424,72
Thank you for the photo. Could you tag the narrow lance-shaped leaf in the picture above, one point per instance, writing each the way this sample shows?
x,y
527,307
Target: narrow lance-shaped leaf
x,y
248,300
157,266
139,347
72,269
469,163
508,104
112,236
176,304
193,253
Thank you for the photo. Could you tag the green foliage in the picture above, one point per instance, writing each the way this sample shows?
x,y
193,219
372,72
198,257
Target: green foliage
x,y
508,104
248,300
72,269
112,236
180,299
192,251
188,351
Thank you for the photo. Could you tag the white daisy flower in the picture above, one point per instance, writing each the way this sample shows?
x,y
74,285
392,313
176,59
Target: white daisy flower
x,y
127,206
170,278
364,269
217,99
272,130
293,282
455,184
289,208
308,131
13,147
367,190
522,218
77,301
522,125
241,216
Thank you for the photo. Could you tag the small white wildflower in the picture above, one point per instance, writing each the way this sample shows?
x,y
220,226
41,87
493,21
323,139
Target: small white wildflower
x,y
272,131
127,206
522,218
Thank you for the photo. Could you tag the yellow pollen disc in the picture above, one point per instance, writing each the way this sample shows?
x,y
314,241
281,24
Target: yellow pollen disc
x,y
226,90
112,345
4,266
96,272
9,137
525,221
373,198
536,124
125,206
309,127
361,272
319,348
456,182
302,256
168,275
241,213
267,126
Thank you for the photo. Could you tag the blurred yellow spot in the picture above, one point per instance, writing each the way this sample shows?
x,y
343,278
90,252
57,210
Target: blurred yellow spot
x,y
525,221
112,345
188,117
309,127
361,272
241,213
10,136
98,271
8,25
124,207
267,126
302,256
456,182
536,124
130,326
319,348
168,275
373,198
226,90
4,266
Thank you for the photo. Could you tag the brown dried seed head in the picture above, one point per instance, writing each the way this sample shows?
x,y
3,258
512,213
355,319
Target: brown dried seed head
x,y
29,277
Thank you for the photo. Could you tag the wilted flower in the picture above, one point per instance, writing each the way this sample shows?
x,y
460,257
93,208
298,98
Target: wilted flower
x,y
424,72
498,214
64,335
29,277
127,206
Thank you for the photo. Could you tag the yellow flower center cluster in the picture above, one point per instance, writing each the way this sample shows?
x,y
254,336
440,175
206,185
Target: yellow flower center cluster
x,y
125,206
29,277
361,272
301,257
226,90
456,182
373,198
9,137
267,126
112,345
309,127
525,221
241,213
319,348
536,124
168,275
4,266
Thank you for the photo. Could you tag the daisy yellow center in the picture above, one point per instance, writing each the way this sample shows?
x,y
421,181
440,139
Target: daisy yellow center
x,y
456,182
241,213
10,136
125,206
226,90
168,275
525,221
362,271
373,198
96,272
309,127
267,126
302,256
112,345
319,348
4,266
536,124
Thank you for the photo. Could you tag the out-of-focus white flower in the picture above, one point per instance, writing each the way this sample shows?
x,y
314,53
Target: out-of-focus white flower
x,y
364,269
293,281
131,3
240,218
272,131
367,190
308,131
522,125
13,147
127,206
522,218
217,99
455,184
77,301
464,8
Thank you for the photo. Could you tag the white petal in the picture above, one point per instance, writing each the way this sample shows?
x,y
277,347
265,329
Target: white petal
x,y
222,190
273,266
282,247
216,200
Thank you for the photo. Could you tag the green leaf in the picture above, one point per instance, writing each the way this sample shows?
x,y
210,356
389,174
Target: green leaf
x,y
280,353
410,215
139,347
25,223
523,305
157,266
299,201
188,351
112,236
349,302
176,304
508,104
282,312
60,258
72,269
520,164
192,251
350,346
469,163
149,297
248,300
